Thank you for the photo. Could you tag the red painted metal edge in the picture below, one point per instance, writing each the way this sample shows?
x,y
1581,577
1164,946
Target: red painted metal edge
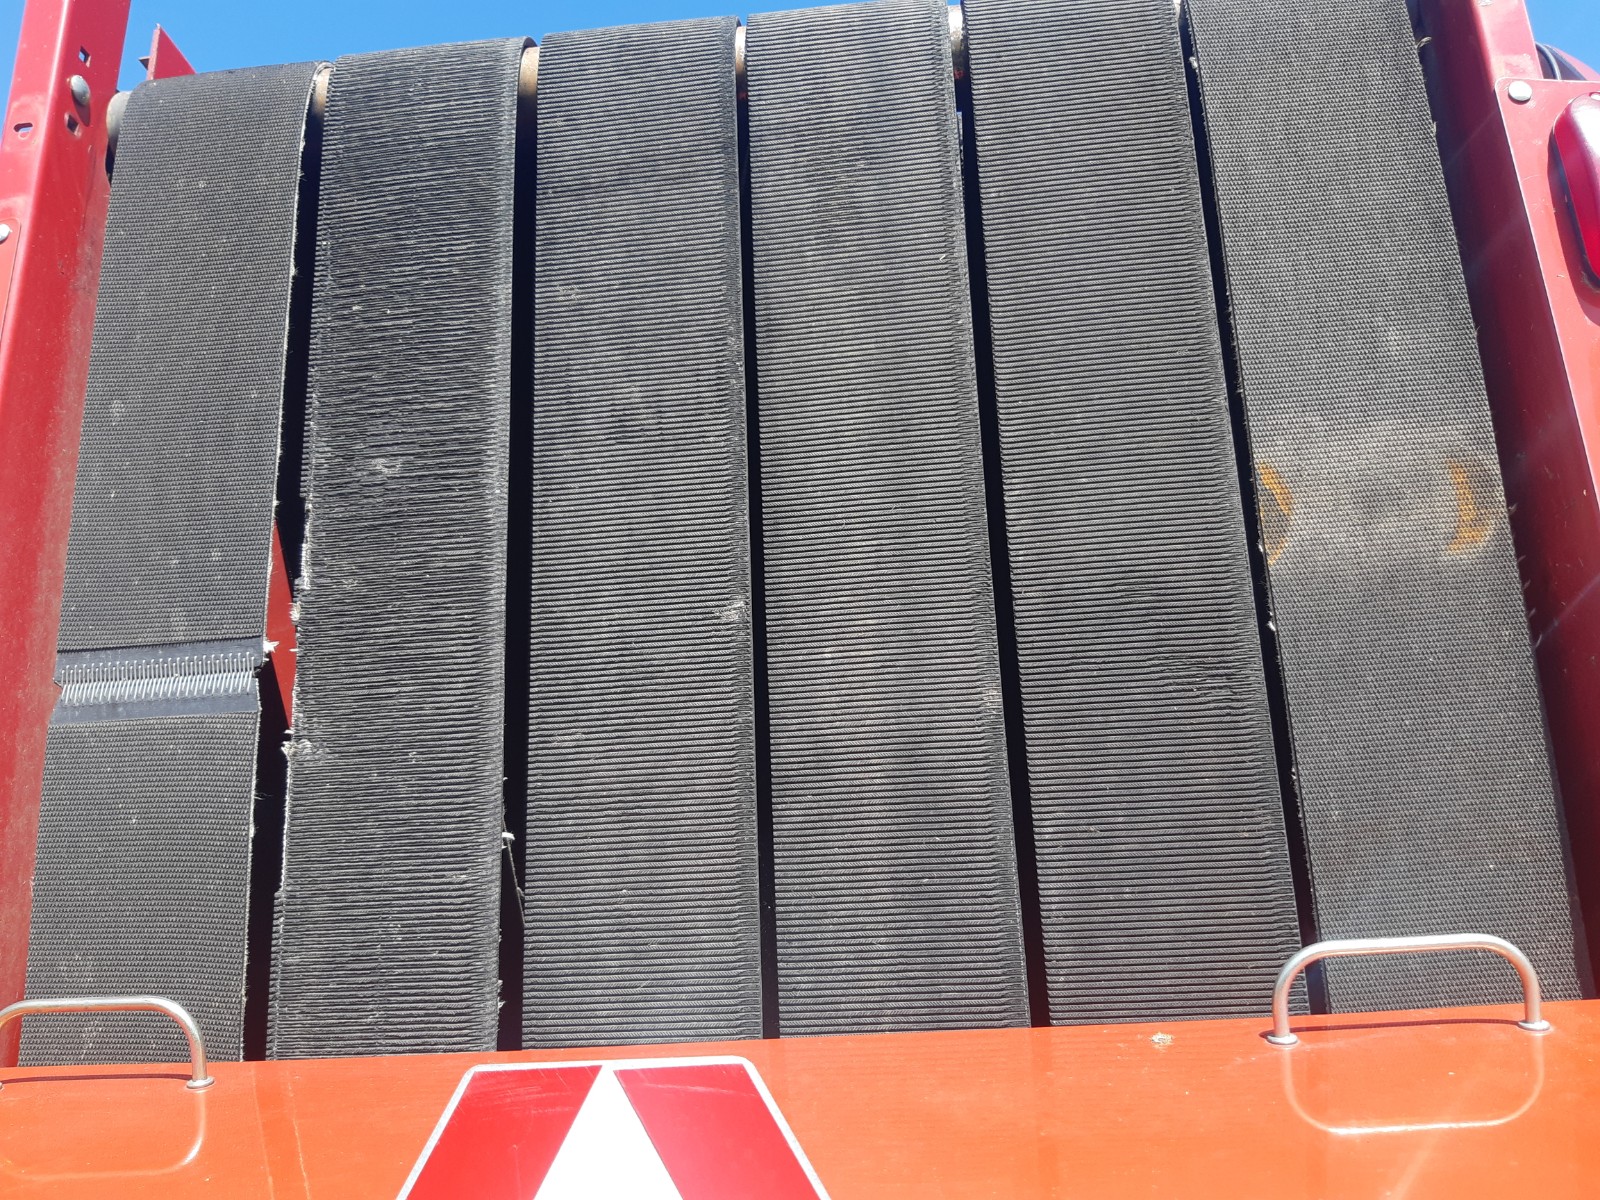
x,y
1538,320
53,195
280,631
165,60
715,1132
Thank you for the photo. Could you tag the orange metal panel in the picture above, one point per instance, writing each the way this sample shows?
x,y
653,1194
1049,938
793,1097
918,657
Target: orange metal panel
x,y
1457,1104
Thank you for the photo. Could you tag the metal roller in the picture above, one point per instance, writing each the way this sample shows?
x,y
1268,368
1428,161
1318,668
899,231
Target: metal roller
x,y
1418,741
141,882
894,872
388,918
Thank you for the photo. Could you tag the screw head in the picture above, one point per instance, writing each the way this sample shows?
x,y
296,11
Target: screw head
x,y
1520,90
80,90
5,232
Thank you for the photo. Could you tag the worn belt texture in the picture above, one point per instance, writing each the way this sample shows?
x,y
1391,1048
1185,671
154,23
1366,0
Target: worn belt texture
x,y
172,512
642,901
894,868
1418,739
1163,869
141,881
388,916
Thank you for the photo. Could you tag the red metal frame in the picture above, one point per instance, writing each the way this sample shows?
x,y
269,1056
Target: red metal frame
x,y
1538,319
53,195
280,630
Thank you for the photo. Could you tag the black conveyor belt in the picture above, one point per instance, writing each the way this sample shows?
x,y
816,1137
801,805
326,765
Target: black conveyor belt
x,y
894,868
388,917
642,905
1163,869
142,876
1418,743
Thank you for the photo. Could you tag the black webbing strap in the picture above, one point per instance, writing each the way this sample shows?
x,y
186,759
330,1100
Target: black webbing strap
x,y
894,862
388,917
142,876
1418,741
1164,880
642,903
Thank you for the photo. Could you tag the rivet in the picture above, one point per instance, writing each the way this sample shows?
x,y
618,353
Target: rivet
x,y
80,90
1520,90
5,232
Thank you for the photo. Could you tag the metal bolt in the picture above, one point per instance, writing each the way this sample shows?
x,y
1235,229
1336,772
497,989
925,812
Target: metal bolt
x,y
80,90
1520,91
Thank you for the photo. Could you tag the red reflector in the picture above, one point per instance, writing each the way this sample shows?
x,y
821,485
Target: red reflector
x,y
1577,136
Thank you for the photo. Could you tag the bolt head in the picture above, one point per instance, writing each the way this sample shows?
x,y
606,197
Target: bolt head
x,y
80,90
1520,90
5,232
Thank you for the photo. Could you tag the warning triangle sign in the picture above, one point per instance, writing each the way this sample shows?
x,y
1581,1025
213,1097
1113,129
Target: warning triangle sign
x,y
644,1129
607,1153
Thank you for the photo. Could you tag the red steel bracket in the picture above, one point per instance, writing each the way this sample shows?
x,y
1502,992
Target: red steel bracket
x,y
281,647
53,195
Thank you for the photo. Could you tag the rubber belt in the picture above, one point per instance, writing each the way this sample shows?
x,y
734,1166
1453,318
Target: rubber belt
x,y
1419,748
1163,870
388,917
642,901
141,883
894,870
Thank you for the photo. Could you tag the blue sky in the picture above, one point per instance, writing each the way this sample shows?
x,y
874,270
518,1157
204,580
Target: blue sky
x,y
236,33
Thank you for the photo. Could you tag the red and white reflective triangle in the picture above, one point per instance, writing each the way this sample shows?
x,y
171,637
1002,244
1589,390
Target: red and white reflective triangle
x,y
640,1129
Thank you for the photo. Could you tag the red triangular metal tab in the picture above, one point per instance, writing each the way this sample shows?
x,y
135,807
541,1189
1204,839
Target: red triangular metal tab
x,y
165,60
500,1134
717,1132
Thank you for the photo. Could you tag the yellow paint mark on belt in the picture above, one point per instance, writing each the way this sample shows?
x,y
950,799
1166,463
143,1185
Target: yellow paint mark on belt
x,y
1275,503
1474,509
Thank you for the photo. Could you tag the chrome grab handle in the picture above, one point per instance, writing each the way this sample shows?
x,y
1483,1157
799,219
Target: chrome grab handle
x,y
199,1072
1282,1035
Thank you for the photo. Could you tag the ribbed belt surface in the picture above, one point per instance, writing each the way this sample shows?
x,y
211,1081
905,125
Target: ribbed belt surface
x,y
642,902
1164,879
1418,741
388,917
172,512
894,862
142,876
